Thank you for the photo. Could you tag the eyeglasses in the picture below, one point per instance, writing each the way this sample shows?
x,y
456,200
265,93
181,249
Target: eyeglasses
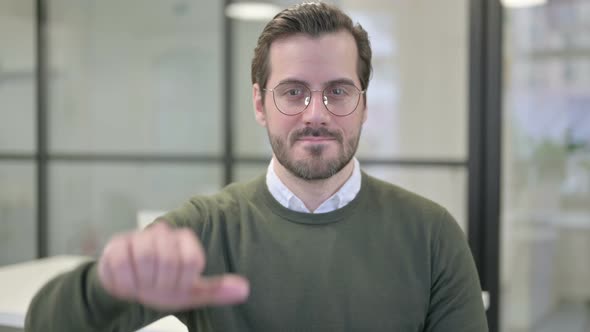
x,y
292,98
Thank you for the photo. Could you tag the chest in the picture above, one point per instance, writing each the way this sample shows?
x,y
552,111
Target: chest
x,y
324,278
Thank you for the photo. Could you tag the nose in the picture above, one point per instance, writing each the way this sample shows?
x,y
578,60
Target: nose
x,y
316,112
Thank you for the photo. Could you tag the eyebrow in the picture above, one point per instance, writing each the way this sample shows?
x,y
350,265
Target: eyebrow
x,y
336,81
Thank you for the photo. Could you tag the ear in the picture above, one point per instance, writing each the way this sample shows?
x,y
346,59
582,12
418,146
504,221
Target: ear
x,y
258,105
365,111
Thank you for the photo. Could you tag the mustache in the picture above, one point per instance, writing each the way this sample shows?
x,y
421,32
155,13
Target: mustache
x,y
315,132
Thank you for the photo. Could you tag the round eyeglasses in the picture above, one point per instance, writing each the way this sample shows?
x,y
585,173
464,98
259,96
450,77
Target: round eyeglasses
x,y
292,98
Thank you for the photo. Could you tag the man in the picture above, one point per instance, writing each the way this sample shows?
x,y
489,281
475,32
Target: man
x,y
313,245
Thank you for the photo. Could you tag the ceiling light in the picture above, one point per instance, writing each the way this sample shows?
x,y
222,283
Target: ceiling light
x,y
522,3
251,11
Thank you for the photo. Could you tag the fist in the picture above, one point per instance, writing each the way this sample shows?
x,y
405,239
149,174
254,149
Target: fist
x,y
161,267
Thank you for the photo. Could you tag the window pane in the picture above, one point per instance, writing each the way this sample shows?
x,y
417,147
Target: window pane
x,y
18,232
17,76
545,217
446,186
139,76
250,138
91,202
417,99
417,102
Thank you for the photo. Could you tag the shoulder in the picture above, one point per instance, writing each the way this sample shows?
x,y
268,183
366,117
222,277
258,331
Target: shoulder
x,y
235,195
390,195
409,208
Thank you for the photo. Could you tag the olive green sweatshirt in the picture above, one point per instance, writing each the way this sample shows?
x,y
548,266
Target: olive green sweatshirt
x,y
390,260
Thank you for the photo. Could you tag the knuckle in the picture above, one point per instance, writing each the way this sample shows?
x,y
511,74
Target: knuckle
x,y
191,243
143,250
187,233
192,263
159,227
118,262
191,259
169,263
145,258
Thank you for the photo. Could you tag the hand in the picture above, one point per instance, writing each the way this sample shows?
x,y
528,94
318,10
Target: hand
x,y
161,267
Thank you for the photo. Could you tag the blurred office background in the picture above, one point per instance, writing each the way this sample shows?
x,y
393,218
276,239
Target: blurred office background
x,y
109,108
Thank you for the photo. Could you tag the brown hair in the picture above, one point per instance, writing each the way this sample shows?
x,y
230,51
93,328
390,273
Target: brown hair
x,y
314,19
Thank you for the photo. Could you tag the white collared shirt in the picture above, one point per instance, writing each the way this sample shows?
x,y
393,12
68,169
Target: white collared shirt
x,y
343,196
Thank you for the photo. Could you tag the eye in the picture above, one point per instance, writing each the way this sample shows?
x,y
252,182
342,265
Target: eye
x,y
338,91
291,90
294,92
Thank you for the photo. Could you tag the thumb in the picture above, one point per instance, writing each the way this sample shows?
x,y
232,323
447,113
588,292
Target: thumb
x,y
220,290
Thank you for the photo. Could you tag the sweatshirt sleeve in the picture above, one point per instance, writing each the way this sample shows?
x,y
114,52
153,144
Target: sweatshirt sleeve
x,y
75,301
455,301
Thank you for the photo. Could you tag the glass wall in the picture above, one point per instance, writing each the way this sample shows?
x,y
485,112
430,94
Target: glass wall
x,y
17,212
135,76
546,168
136,97
92,201
17,76
134,87
17,131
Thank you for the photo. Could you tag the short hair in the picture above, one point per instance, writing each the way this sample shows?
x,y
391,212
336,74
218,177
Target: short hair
x,y
314,19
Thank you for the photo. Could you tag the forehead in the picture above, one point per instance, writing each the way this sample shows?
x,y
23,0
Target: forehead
x,y
317,60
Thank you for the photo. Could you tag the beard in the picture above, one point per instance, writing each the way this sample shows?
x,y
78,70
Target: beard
x,y
315,166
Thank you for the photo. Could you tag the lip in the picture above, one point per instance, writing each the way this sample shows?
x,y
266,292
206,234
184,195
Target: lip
x,y
315,139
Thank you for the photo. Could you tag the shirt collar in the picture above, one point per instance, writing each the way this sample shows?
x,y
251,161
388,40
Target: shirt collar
x,y
286,198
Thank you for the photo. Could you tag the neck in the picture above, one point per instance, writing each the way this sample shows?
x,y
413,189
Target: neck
x,y
313,192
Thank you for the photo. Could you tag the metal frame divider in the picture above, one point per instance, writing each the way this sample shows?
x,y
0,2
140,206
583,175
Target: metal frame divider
x,y
485,143
41,139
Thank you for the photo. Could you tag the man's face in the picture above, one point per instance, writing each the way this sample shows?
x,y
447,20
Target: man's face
x,y
314,144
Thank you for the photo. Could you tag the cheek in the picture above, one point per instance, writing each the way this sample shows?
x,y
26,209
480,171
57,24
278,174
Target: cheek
x,y
280,125
351,126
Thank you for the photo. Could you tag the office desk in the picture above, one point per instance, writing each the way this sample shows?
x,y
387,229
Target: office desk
x,y
20,282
